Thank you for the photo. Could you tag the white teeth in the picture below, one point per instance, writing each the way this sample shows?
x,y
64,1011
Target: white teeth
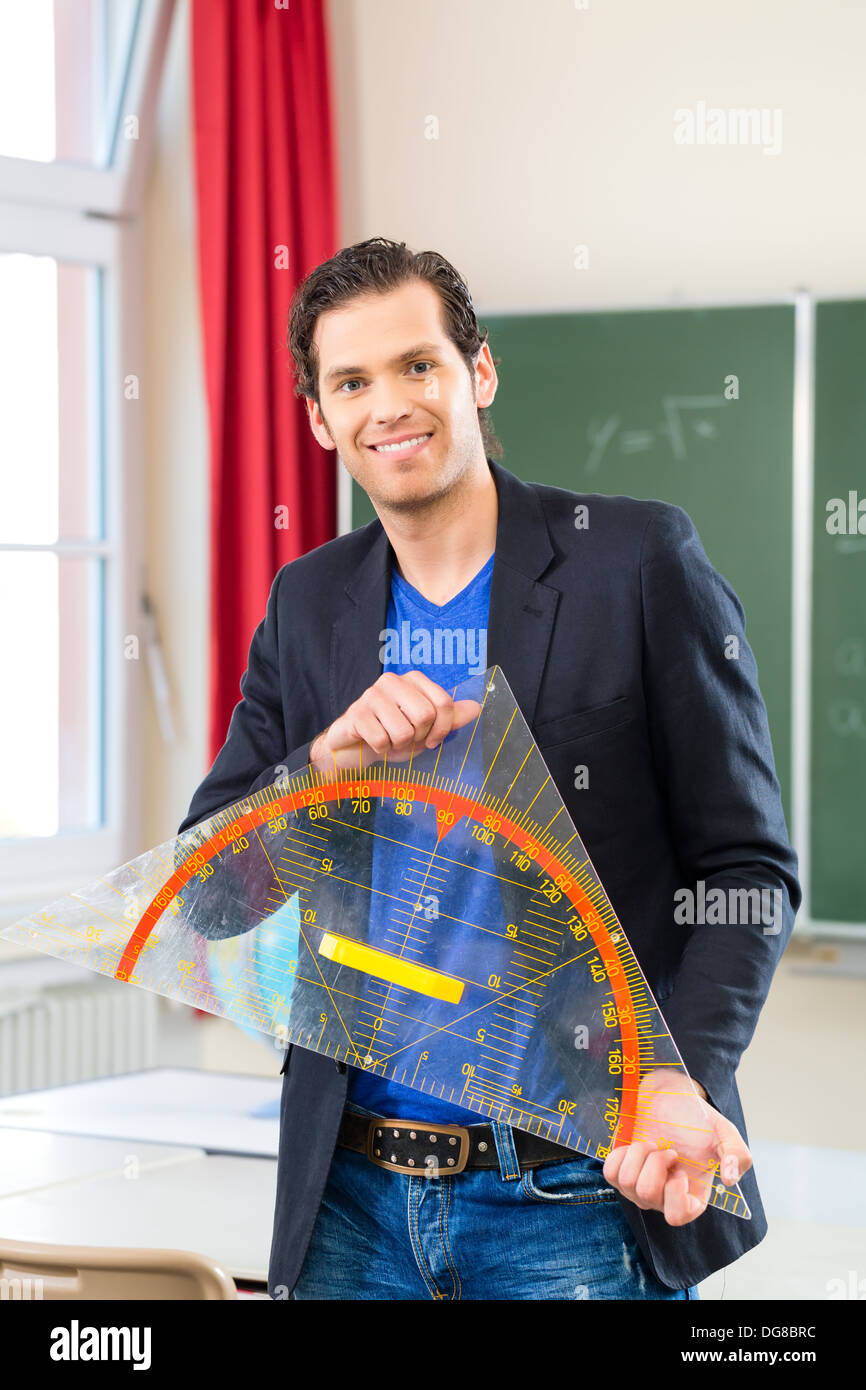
x,y
397,448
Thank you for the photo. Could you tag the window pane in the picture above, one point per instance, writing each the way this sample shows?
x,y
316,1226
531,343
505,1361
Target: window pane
x,y
51,697
49,418
63,67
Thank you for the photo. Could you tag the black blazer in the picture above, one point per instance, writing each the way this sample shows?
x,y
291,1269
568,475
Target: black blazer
x,y
613,638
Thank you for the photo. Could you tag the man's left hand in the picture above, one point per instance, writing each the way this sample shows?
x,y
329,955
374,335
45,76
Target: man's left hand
x,y
676,1180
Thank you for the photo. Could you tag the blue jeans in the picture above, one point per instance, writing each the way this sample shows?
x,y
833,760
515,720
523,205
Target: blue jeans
x,y
552,1232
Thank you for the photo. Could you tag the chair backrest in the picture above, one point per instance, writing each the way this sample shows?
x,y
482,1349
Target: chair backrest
x,y
36,1271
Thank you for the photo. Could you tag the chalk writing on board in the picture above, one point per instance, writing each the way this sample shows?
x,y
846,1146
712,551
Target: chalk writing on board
x,y
686,419
849,658
846,717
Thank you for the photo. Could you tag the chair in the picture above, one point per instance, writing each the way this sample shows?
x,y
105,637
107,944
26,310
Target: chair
x,y
35,1271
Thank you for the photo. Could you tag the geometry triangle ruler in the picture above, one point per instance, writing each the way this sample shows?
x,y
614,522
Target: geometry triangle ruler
x,y
435,920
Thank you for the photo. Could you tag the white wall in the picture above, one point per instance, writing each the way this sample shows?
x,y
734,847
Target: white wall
x,y
556,128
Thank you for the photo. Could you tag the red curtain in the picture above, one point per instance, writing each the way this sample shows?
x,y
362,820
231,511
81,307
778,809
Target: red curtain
x,y
267,214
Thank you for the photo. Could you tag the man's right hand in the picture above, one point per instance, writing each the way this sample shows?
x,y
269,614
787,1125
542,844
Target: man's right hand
x,y
396,718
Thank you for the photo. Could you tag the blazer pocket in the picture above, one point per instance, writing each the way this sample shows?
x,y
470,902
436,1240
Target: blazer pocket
x,y
596,720
286,1058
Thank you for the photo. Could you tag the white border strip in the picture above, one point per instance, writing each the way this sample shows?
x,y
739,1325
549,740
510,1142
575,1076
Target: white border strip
x,y
801,595
344,497
762,300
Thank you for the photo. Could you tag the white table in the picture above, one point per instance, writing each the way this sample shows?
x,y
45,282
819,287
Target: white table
x,y
168,1105
35,1159
217,1205
204,1176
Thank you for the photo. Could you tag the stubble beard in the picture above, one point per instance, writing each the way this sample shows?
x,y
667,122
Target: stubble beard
x,y
432,498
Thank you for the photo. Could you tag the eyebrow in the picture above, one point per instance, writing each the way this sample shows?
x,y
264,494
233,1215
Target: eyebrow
x,y
417,351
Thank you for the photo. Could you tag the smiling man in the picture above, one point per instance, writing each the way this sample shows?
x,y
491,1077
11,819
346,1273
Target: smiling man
x,y
612,639
417,448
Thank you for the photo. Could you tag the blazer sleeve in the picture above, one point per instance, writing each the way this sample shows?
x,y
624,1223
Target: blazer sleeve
x,y
255,746
713,754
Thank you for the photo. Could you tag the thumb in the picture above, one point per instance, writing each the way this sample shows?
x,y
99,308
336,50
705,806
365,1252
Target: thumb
x,y
464,711
732,1151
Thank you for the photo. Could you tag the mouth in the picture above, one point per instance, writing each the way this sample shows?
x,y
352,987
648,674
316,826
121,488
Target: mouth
x,y
404,450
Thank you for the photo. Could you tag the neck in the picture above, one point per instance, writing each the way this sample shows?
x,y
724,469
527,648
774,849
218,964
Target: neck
x,y
440,549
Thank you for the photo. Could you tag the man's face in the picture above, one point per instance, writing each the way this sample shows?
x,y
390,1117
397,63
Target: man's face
x,y
389,374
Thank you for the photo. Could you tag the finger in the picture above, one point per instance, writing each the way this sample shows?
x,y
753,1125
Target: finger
x,y
684,1204
632,1164
734,1160
418,705
676,1204
613,1163
450,714
652,1179
345,746
733,1153
383,727
464,712
443,706
407,725
453,716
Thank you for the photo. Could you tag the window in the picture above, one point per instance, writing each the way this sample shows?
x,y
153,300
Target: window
x,y
78,86
63,69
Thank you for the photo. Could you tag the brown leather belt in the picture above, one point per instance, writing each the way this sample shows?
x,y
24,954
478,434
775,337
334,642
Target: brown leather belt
x,y
422,1148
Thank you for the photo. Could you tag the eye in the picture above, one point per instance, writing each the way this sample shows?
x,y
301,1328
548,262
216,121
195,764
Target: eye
x,y
355,380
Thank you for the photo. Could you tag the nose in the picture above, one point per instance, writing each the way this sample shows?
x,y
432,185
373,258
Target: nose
x,y
389,402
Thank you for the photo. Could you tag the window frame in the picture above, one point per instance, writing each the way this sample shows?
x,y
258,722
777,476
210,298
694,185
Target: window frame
x,y
116,190
90,217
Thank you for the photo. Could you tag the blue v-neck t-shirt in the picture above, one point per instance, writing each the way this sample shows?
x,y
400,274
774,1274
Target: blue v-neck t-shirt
x,y
448,643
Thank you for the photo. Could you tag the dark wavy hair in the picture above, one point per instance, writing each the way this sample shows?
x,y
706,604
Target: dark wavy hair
x,y
379,265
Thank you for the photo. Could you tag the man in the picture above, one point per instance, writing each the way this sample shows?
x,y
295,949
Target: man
x,y
612,637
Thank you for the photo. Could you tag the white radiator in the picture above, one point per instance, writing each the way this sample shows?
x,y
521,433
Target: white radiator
x,y
74,1032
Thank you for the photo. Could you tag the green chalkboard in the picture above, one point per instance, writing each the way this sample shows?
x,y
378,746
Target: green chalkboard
x,y
634,402
838,724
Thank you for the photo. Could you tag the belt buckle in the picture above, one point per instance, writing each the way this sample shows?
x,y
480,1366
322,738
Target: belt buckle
x,y
447,1145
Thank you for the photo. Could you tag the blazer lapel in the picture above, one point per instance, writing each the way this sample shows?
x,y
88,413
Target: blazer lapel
x,y
355,636
522,609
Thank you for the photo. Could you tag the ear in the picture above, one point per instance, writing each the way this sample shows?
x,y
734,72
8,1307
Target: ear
x,y
486,380
317,424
